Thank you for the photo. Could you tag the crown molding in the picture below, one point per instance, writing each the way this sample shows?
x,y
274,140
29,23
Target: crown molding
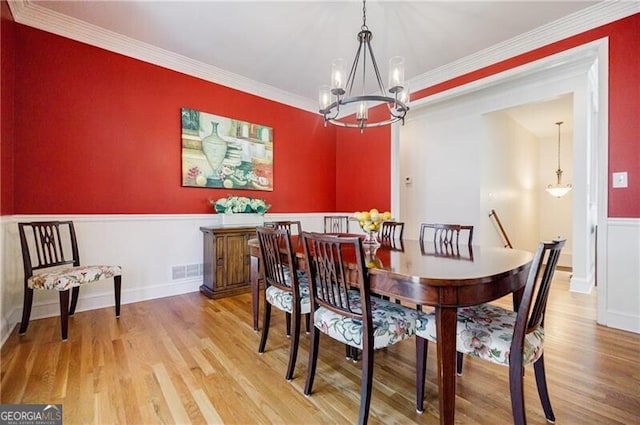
x,y
27,13
568,26
33,15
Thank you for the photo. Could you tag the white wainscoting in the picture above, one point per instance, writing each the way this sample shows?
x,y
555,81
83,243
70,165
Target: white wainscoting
x,y
622,286
146,246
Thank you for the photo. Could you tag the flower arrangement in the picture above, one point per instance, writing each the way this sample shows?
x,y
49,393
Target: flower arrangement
x,y
240,205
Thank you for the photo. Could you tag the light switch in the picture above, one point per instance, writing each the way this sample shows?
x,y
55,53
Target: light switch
x,y
620,179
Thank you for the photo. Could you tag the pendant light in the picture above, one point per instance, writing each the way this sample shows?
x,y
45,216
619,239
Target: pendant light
x,y
558,190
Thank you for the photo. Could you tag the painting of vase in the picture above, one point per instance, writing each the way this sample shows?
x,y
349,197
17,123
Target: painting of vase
x,y
221,152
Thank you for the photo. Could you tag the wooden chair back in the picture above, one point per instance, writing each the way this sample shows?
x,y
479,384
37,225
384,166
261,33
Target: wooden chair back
x,y
392,230
47,244
533,304
279,269
446,233
327,259
294,227
336,224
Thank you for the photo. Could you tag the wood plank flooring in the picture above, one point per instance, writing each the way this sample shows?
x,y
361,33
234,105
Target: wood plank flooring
x,y
188,359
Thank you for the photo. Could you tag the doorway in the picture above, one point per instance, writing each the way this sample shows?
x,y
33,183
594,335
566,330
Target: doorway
x,y
437,157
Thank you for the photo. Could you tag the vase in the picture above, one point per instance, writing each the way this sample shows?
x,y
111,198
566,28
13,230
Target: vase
x,y
214,147
371,238
242,219
370,257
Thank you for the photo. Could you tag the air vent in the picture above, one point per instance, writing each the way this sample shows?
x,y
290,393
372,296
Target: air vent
x,y
185,271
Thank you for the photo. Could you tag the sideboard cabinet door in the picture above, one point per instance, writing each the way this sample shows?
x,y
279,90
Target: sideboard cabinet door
x,y
226,260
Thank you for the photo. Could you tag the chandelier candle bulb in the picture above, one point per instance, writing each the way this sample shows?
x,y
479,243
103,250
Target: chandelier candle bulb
x,y
362,112
324,97
337,76
396,73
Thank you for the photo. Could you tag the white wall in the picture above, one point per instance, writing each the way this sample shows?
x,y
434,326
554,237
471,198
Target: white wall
x,y
439,154
510,181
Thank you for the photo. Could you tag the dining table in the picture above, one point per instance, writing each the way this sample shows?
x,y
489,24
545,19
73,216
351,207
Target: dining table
x,y
421,273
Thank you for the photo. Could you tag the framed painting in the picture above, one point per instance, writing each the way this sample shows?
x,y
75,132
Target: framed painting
x,y
221,152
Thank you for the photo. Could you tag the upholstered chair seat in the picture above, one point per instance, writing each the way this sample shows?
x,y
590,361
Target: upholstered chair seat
x,y
391,322
283,299
70,277
486,331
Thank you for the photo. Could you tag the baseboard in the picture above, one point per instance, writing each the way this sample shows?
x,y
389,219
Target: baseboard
x,y
623,321
581,285
7,324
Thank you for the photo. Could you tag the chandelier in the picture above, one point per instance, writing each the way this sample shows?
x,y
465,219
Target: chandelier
x,y
339,94
558,190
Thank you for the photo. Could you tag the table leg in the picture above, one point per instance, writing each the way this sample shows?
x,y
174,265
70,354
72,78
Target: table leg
x,y
446,321
255,291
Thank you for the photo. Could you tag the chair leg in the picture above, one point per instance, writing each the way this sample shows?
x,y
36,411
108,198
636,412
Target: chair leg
x,y
26,309
459,359
366,385
117,285
288,321
347,352
541,382
74,300
308,322
517,393
265,327
313,360
422,346
64,313
293,350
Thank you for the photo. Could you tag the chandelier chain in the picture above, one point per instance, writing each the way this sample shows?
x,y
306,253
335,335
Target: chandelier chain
x,y
364,16
559,123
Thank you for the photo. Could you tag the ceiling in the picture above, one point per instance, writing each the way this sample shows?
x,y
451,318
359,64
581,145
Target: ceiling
x,y
289,45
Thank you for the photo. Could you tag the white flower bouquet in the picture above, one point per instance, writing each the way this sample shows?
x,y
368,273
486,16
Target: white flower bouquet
x,y
240,205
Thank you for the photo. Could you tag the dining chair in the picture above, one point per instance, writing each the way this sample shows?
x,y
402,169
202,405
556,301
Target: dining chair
x,y
286,288
294,227
51,261
509,338
336,224
445,233
348,315
391,230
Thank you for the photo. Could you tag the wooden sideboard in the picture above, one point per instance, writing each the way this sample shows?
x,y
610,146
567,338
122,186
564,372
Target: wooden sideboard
x,y
226,260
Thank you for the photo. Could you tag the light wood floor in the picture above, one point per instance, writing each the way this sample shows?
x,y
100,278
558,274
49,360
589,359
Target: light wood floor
x,y
187,359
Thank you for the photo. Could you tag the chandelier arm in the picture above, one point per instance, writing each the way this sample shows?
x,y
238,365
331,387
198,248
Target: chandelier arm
x,y
352,72
376,70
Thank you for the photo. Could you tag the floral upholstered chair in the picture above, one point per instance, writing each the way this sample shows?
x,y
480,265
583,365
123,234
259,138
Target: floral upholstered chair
x,y
286,287
351,316
49,266
501,336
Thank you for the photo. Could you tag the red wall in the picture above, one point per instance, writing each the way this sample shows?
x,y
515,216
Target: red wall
x,y
6,110
363,168
98,132
624,114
